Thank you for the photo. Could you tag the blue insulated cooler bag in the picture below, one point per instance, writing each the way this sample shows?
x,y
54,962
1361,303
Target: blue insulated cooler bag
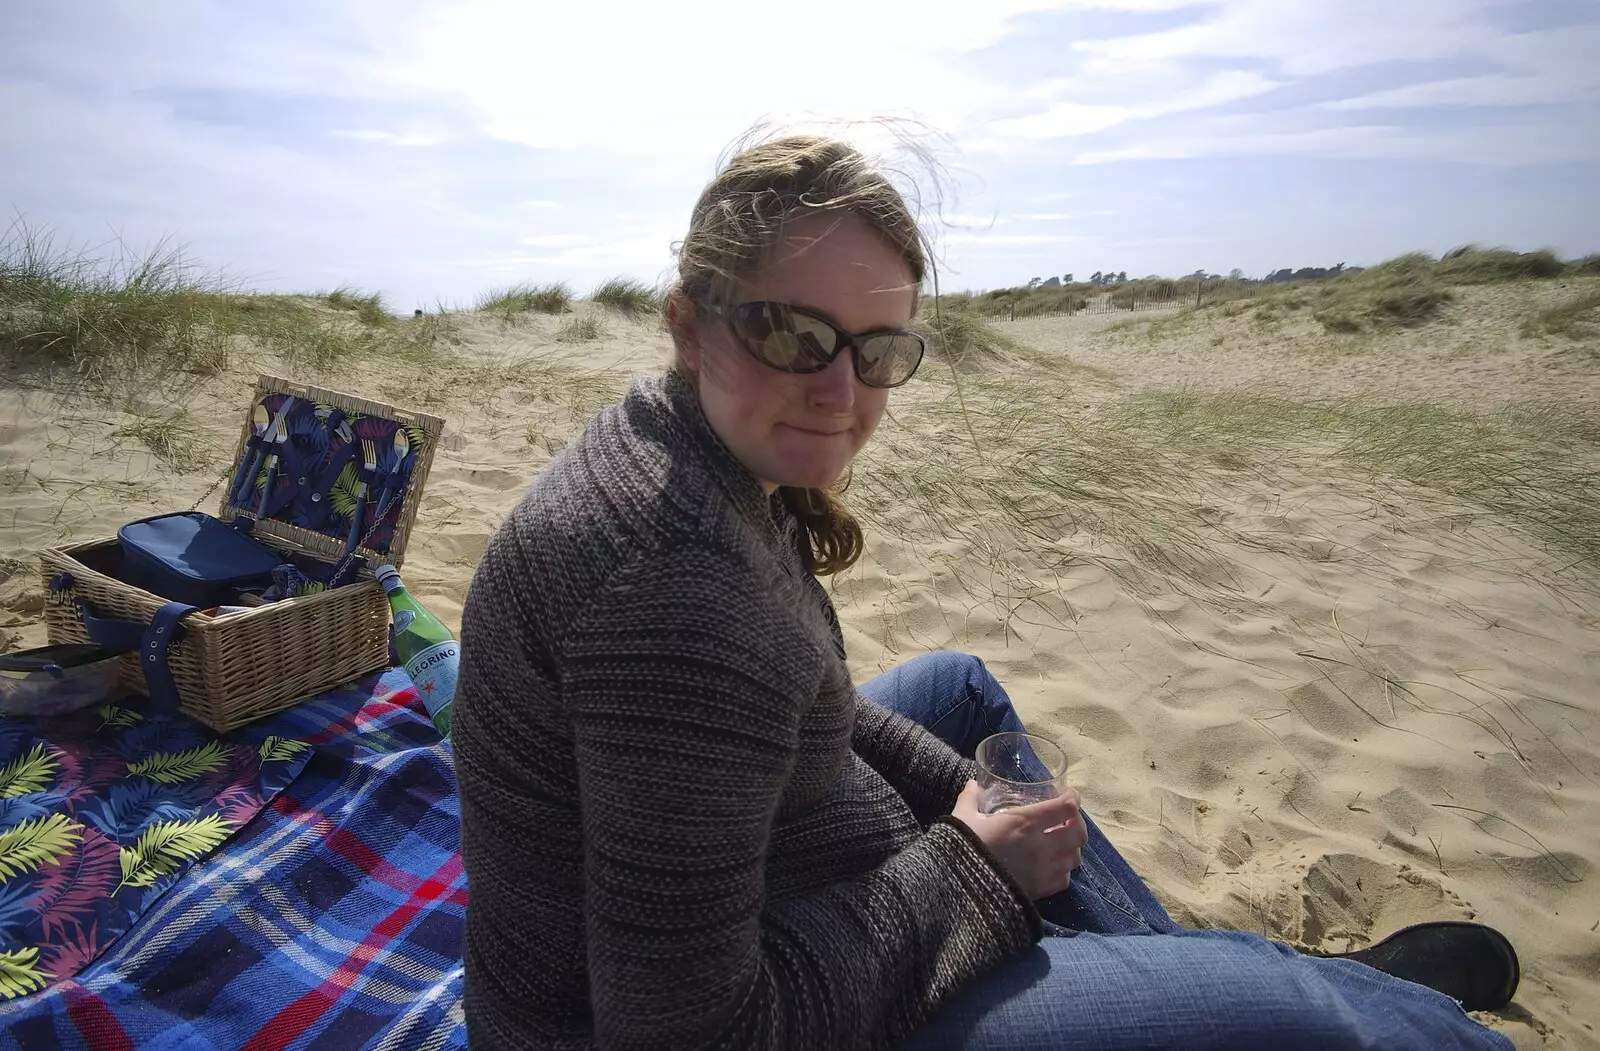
x,y
192,558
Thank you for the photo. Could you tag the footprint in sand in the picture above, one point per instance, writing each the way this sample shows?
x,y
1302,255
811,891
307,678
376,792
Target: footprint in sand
x,y
1351,901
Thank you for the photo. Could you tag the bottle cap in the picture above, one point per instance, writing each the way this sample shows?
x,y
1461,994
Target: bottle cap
x,y
387,576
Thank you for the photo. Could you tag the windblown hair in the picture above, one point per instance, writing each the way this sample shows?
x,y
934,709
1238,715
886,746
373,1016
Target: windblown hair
x,y
738,222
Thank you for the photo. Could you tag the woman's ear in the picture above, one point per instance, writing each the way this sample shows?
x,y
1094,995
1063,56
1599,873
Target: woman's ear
x,y
682,321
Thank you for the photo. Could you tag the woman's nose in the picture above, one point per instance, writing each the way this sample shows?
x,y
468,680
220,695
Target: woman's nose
x,y
833,389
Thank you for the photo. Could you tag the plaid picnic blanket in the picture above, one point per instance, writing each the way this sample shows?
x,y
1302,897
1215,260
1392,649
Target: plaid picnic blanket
x,y
332,920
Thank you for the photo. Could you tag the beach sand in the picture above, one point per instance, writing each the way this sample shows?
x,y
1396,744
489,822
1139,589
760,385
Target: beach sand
x,y
1308,688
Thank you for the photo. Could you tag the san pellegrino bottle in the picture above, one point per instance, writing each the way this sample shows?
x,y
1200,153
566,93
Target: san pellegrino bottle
x,y
427,650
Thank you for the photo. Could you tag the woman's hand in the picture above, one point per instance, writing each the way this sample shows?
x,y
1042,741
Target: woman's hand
x,y
1038,845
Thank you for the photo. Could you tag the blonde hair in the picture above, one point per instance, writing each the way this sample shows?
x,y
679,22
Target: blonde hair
x,y
738,221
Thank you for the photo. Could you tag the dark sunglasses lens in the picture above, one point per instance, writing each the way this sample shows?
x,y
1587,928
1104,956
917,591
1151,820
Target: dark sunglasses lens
x,y
784,339
888,360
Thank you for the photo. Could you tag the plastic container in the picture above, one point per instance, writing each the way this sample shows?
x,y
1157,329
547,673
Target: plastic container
x,y
55,680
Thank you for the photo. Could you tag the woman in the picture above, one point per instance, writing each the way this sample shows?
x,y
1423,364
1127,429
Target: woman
x,y
684,827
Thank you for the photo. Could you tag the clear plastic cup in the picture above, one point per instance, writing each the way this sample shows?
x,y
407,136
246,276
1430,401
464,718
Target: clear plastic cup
x,y
1015,769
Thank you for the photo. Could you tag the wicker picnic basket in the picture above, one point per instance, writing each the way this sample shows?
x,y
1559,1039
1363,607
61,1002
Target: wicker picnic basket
x,y
238,667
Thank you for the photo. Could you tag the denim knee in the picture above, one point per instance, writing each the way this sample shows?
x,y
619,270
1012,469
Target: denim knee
x,y
990,706
965,666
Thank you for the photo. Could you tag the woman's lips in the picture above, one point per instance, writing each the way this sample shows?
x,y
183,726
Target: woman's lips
x,y
814,433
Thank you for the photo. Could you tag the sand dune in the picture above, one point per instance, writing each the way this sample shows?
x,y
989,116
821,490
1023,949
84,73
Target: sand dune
x,y
1311,689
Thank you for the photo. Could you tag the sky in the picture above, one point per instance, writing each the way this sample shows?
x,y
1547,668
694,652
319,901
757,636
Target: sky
x,y
435,150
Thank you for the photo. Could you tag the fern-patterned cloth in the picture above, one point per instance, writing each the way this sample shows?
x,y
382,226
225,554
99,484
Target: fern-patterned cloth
x,y
100,812
332,921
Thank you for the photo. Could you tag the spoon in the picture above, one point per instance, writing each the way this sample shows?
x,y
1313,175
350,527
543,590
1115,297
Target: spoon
x,y
251,458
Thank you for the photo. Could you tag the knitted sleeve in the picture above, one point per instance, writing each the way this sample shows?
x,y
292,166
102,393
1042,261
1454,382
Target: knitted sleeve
x,y
685,696
926,772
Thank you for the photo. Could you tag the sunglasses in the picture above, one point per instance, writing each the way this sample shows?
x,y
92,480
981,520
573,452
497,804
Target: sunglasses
x,y
795,340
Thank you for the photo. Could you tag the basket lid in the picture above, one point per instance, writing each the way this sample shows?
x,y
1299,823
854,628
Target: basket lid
x,y
309,460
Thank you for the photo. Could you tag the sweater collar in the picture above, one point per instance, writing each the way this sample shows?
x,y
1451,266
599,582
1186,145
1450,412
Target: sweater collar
x,y
734,478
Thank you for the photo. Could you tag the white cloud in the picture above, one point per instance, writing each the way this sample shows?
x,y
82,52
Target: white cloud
x,y
624,108
1061,120
1134,6
630,252
1552,67
1492,90
1051,217
1006,239
959,220
215,122
388,138
1506,145
556,239
1306,39
1074,118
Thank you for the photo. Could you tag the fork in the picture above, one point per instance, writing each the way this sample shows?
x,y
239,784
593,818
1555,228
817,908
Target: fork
x,y
369,456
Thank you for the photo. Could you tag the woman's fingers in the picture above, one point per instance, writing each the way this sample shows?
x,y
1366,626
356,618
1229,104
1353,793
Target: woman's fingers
x,y
1065,850
1057,810
1074,834
1040,844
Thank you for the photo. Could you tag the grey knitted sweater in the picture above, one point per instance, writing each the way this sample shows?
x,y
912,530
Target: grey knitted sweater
x,y
682,826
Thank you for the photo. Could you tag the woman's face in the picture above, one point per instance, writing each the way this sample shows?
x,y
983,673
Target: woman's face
x,y
802,430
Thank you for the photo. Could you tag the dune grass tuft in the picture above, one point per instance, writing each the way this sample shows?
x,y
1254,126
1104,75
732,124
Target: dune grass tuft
x,y
526,298
1400,292
301,335
580,329
172,438
1475,265
1574,318
106,318
628,296
368,306
110,321
958,335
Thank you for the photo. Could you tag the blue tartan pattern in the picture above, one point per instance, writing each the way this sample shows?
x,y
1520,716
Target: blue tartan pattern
x,y
334,919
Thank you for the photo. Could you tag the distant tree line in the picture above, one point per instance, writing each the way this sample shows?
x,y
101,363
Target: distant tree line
x,y
1104,278
1423,282
1099,277
1310,273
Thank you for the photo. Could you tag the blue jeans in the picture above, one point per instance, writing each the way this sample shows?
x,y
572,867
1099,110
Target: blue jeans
x,y
1115,973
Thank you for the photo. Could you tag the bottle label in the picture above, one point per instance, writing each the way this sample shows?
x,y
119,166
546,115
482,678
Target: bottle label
x,y
434,672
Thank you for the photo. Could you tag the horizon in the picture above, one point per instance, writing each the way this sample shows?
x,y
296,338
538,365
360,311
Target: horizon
x,y
434,152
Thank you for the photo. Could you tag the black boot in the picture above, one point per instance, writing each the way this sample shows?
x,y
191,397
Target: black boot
x,y
1468,961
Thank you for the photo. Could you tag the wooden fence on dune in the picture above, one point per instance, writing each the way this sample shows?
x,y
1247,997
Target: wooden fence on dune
x,y
1097,305
1114,303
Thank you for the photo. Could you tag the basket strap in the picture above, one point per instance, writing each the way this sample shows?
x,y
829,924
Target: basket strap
x,y
124,636
151,641
165,629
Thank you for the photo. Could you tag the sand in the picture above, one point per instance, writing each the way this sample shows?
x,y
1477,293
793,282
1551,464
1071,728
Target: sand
x,y
1363,704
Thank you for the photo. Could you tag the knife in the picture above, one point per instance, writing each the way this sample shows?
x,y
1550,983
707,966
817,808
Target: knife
x,y
258,423
277,434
